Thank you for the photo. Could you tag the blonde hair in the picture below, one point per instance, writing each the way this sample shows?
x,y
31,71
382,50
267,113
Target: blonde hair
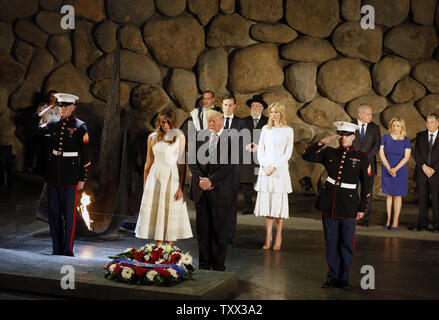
x,y
403,132
213,113
282,110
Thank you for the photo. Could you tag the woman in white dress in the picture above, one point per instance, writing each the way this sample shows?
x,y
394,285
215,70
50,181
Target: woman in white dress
x,y
274,150
163,213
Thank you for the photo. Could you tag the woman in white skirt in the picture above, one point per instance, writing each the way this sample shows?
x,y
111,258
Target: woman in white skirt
x,y
163,213
274,150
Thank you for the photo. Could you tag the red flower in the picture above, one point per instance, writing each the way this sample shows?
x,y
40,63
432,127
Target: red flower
x,y
138,256
164,272
141,271
117,269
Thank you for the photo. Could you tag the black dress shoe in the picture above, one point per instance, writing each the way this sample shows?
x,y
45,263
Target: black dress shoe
x,y
204,266
330,283
219,267
421,228
363,223
343,284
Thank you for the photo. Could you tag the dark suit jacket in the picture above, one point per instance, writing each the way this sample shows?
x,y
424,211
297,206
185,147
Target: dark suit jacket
x,y
237,124
370,145
221,175
421,157
248,170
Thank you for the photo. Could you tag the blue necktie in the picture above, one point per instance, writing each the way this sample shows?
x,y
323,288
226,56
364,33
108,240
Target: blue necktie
x,y
362,131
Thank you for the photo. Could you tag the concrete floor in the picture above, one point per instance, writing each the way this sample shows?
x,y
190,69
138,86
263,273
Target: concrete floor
x,y
405,262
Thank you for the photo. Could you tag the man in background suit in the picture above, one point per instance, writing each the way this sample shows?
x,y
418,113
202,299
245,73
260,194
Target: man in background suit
x,y
367,140
211,190
231,121
249,172
198,115
426,172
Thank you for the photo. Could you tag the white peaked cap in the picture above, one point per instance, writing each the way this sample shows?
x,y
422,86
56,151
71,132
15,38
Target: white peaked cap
x,y
346,126
66,97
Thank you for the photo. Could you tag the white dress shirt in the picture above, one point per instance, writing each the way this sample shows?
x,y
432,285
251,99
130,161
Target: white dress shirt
x,y
230,120
360,124
434,135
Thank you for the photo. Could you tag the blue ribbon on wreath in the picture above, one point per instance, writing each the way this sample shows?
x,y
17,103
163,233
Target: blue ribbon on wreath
x,y
179,269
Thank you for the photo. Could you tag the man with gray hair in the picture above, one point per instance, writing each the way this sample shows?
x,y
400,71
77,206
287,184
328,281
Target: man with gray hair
x,y
426,172
367,140
213,190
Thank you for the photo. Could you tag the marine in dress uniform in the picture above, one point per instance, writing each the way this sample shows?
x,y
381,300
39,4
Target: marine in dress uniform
x,y
66,172
338,201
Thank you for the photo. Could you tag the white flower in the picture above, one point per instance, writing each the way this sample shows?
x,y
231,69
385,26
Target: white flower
x,y
127,250
173,273
159,261
111,268
148,247
167,248
127,273
151,274
186,258
147,257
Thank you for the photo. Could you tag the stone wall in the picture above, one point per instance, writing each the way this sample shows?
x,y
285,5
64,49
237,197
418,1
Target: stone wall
x,y
312,55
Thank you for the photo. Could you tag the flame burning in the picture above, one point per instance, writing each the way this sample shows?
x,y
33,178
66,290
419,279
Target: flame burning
x,y
85,201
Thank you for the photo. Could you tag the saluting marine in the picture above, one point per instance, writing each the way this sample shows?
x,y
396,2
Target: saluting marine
x,y
338,201
67,171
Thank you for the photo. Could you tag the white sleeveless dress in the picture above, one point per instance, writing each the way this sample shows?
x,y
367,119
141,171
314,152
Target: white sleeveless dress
x,y
274,150
161,217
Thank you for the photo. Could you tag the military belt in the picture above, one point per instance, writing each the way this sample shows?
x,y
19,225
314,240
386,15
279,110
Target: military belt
x,y
65,154
342,184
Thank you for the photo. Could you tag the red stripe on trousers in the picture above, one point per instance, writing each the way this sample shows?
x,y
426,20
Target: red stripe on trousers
x,y
353,251
74,218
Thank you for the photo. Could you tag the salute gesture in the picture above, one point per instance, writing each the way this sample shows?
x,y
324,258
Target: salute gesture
x,y
327,139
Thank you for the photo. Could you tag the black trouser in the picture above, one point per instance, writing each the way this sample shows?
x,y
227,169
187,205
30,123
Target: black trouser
x,y
425,190
62,211
234,208
248,190
212,232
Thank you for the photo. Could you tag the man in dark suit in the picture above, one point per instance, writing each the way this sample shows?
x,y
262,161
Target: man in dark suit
x,y
367,140
249,172
212,185
234,125
426,172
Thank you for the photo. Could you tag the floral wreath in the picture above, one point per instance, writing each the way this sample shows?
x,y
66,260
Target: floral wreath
x,y
162,265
